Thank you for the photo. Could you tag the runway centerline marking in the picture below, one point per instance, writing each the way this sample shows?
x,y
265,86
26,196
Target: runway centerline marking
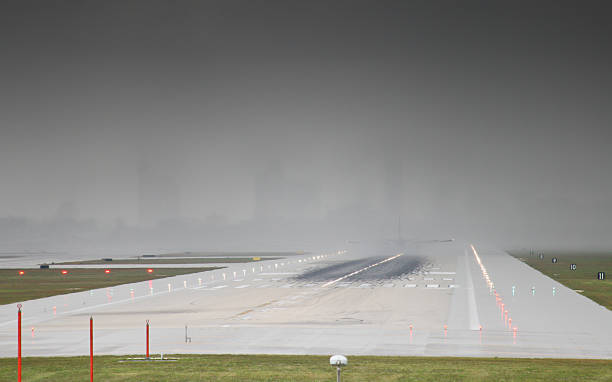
x,y
361,270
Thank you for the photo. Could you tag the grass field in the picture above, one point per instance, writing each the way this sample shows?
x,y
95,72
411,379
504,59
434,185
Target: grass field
x,y
146,260
225,368
37,283
229,254
584,278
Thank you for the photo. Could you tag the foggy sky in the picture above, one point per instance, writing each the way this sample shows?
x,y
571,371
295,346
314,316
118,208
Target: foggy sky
x,y
456,116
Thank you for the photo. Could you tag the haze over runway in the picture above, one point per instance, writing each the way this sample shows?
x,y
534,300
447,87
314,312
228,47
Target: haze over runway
x,y
442,304
155,126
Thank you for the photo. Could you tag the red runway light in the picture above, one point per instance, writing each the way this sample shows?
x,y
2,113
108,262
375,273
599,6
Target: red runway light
x,y
64,272
107,271
21,273
149,270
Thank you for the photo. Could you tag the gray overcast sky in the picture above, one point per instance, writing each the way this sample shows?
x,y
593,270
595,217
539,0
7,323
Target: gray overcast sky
x,y
429,109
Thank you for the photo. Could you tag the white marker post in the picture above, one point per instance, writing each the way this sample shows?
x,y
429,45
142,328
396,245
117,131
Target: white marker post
x,y
338,361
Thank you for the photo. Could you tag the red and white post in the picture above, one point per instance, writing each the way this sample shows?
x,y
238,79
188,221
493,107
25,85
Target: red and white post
x,y
19,342
91,349
147,339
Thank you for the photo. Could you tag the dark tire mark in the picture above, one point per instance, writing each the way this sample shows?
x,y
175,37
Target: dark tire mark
x,y
396,268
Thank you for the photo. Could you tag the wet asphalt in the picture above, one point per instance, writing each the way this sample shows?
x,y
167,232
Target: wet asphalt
x,y
396,268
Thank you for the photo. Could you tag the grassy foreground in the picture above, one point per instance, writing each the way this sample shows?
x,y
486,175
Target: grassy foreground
x,y
306,368
37,283
192,260
583,279
230,254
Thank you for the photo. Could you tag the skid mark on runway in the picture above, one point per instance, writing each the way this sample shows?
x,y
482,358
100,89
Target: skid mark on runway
x,y
248,311
362,270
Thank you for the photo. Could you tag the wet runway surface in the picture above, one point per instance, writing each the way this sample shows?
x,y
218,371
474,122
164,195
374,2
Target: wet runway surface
x,y
401,267
428,303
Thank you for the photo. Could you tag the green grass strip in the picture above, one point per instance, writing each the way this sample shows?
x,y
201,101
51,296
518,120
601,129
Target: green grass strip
x,y
243,368
583,279
38,283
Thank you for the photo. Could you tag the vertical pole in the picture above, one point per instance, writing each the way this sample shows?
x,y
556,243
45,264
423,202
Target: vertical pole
x,y
91,349
147,339
19,343
338,376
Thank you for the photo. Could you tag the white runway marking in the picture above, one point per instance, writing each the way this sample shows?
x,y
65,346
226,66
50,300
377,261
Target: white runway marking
x,y
220,287
472,309
442,273
361,270
242,286
410,286
432,286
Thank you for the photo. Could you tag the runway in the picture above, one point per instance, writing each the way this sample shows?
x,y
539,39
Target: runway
x,y
435,300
